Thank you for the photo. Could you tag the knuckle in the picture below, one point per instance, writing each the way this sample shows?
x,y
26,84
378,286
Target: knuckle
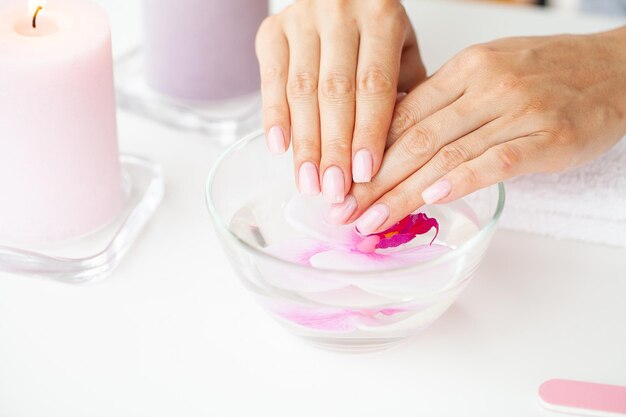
x,y
389,12
336,11
563,135
370,129
271,76
337,87
403,198
417,143
275,112
267,24
534,106
305,148
302,85
464,110
470,177
375,82
507,159
402,120
337,148
366,192
509,82
451,156
477,56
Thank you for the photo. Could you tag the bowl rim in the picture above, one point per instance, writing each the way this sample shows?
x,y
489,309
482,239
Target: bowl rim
x,y
225,230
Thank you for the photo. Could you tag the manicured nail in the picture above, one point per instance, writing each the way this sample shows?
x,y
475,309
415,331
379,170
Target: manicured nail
x,y
276,140
372,219
308,179
333,185
437,191
340,213
362,166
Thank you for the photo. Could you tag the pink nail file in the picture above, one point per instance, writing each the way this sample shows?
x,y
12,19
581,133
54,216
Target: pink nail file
x,y
583,398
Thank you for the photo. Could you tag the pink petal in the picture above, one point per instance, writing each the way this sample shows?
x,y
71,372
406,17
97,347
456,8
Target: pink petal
x,y
333,319
343,260
328,319
298,251
306,215
295,279
418,254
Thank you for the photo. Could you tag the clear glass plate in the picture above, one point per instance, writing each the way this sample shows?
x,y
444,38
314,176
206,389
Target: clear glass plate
x,y
226,121
94,256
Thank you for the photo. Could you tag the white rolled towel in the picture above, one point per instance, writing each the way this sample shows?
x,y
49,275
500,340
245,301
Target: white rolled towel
x,y
587,203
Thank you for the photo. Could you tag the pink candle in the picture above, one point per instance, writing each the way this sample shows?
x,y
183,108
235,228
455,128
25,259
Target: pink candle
x,y
59,158
202,49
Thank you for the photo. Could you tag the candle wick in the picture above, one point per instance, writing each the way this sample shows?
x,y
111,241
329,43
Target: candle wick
x,y
35,17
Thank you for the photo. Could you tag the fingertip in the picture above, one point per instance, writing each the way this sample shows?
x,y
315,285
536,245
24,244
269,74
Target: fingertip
x,y
276,142
437,192
333,185
308,179
362,166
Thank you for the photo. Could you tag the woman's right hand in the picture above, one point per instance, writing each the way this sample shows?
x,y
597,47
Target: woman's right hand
x,y
331,71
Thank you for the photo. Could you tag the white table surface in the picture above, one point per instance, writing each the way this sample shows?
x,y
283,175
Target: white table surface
x,y
173,333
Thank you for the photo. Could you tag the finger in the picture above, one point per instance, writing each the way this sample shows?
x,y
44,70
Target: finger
x,y
497,164
377,79
339,50
474,144
500,163
303,105
273,55
419,145
429,97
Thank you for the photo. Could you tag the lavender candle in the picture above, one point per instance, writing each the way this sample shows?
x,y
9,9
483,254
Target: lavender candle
x,y
202,49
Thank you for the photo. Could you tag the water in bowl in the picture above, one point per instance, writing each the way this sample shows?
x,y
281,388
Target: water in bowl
x,y
351,310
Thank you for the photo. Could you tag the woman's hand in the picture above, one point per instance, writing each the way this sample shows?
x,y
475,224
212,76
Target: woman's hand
x,y
330,73
497,110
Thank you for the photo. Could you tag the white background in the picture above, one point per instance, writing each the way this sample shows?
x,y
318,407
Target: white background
x,y
172,332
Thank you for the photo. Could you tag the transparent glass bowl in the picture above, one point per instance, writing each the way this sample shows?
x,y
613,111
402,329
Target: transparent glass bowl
x,y
346,311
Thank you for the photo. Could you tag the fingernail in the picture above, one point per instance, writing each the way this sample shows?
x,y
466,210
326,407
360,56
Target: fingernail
x,y
401,95
276,140
372,219
308,179
437,191
362,166
340,213
333,185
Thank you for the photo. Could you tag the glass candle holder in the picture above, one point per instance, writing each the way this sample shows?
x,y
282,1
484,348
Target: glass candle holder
x,y
93,256
197,69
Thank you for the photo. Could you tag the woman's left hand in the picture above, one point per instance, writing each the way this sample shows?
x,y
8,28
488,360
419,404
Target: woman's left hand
x,y
495,111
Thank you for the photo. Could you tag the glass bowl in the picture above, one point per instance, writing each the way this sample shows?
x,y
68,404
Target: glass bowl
x,y
339,309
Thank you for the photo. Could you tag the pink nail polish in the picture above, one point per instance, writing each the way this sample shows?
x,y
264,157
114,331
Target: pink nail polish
x,y
333,185
276,140
362,166
372,219
308,179
437,191
340,213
